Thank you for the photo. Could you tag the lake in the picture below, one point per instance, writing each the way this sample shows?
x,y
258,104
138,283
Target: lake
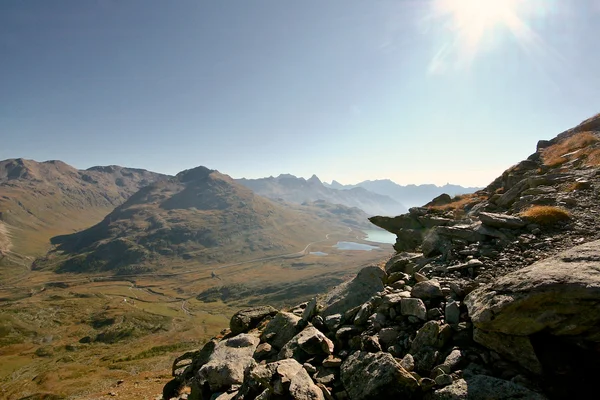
x,y
354,246
318,253
379,236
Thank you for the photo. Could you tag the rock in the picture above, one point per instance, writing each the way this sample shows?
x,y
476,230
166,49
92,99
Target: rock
x,y
453,360
347,331
443,380
371,344
434,243
363,314
387,337
408,362
440,200
332,362
420,277
413,307
554,298
263,351
228,362
394,224
452,312
513,347
427,290
408,239
310,310
506,199
430,335
332,322
396,277
501,220
286,376
377,376
401,261
310,341
355,292
281,329
482,387
244,320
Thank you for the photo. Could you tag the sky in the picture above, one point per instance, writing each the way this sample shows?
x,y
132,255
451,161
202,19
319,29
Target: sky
x,y
417,91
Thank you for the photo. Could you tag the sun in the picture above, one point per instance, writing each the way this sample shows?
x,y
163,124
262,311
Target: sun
x,y
467,24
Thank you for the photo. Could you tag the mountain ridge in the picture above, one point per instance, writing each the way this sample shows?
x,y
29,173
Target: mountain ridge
x,y
199,216
300,190
42,199
411,195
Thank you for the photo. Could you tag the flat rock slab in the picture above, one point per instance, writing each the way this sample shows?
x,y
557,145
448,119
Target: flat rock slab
x,y
501,220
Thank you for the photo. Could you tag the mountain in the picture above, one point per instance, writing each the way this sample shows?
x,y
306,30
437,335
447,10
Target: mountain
x,y
410,195
299,190
39,200
200,216
494,295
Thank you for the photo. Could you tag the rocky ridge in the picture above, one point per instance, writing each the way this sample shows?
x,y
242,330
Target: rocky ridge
x,y
495,295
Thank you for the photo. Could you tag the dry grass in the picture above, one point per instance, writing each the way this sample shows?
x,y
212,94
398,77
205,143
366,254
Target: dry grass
x,y
546,215
579,146
460,202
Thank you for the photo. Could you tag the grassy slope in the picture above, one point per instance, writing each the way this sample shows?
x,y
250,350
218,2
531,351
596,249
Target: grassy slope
x,y
208,219
42,200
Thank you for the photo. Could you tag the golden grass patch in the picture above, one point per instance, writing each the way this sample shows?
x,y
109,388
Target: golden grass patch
x,y
546,215
579,146
460,202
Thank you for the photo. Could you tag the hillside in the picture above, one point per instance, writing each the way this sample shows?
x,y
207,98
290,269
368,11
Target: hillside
x,y
492,295
299,190
200,217
409,195
39,200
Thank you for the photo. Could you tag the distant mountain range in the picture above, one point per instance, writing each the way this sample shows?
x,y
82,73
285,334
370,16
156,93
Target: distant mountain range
x,y
199,216
299,190
409,195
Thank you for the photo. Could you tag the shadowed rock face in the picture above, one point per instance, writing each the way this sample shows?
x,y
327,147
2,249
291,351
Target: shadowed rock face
x,y
546,316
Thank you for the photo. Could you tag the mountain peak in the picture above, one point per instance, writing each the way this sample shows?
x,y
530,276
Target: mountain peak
x,y
194,174
315,179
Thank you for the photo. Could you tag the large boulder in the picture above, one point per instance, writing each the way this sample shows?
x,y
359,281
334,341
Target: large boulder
x,y
244,320
285,377
307,343
377,376
228,362
367,282
546,317
483,387
281,329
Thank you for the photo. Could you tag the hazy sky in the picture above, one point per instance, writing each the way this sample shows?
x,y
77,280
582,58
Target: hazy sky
x,y
417,91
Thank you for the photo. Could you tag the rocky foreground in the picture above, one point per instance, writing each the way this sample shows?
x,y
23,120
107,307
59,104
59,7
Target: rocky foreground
x,y
492,296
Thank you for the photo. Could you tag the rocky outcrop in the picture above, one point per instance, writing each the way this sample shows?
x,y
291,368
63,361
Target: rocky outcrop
x,y
409,340
244,320
554,301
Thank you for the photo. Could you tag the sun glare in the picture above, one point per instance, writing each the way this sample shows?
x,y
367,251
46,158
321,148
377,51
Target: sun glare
x,y
468,23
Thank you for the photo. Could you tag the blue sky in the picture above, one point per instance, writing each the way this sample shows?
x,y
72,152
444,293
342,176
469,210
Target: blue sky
x,y
416,91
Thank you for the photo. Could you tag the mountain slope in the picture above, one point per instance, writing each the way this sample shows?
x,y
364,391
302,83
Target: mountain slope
x,y
39,200
201,217
410,195
299,190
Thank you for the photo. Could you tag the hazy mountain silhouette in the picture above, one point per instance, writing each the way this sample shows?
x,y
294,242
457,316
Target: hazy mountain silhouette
x,y
300,190
409,195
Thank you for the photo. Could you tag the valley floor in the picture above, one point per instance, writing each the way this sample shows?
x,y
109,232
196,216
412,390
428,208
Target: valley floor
x,y
90,337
